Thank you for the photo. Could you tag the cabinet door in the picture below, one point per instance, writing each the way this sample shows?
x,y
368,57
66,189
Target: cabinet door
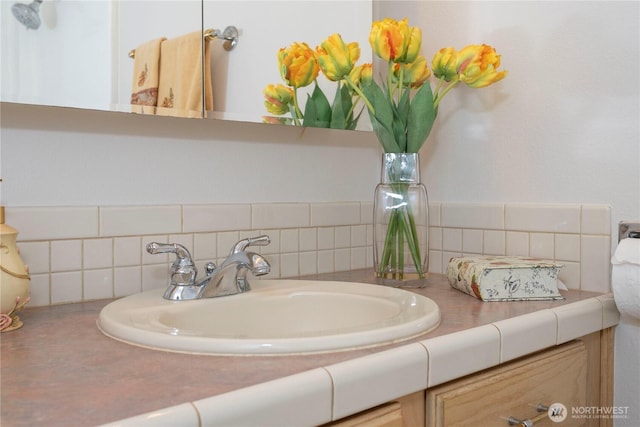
x,y
490,398
408,411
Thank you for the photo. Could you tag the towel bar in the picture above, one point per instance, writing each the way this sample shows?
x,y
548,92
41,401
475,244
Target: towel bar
x,y
229,35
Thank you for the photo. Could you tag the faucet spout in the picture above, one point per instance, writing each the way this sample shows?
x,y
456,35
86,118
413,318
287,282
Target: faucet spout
x,y
231,277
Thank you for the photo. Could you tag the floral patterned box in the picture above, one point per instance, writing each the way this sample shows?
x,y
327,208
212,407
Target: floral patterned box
x,y
502,278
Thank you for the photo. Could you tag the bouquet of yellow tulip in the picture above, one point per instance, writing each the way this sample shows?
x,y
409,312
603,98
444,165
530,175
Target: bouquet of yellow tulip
x,y
299,67
402,112
402,108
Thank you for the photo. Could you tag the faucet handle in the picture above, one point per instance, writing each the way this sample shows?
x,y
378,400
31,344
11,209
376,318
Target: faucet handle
x,y
183,270
251,241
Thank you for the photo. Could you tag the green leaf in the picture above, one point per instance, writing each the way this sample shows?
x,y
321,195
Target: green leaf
x,y
340,108
317,110
382,120
420,119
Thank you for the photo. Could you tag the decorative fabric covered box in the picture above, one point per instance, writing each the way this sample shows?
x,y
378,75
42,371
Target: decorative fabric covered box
x,y
502,278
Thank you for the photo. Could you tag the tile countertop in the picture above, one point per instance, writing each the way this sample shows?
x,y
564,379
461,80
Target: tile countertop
x,y
59,370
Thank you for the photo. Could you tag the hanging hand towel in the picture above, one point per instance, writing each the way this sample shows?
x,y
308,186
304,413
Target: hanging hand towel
x,y
146,73
180,92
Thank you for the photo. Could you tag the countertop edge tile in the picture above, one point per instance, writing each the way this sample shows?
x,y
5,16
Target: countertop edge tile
x,y
610,313
377,378
183,415
526,334
455,355
578,319
304,398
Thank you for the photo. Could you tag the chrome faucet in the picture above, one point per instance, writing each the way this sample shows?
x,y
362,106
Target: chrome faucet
x,y
228,279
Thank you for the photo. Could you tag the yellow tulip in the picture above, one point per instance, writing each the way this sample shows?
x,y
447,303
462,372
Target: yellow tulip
x,y
478,66
277,99
395,41
414,74
445,63
298,65
336,58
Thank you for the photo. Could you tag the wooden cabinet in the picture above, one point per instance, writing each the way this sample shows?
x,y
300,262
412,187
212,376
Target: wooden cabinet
x,y
408,411
564,377
577,374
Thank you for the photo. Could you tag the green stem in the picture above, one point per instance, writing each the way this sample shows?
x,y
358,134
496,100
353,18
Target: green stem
x,y
401,228
446,90
362,96
298,114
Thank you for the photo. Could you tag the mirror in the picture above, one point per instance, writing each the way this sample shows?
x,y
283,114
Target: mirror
x,y
79,55
240,76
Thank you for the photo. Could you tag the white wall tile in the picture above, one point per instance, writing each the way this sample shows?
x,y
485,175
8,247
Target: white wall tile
x,y
205,246
326,238
226,242
148,258
97,253
333,214
494,242
127,281
452,239
66,255
39,290
570,274
326,261
595,271
541,245
436,262
435,238
517,243
138,220
359,257
308,263
155,276
435,214
289,265
358,235
35,255
342,237
127,251
289,240
541,217
342,259
98,284
596,219
279,215
66,287
472,241
567,247
216,217
308,239
473,215
366,213
48,223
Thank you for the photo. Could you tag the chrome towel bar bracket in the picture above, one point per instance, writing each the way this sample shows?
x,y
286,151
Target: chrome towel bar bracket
x,y
230,36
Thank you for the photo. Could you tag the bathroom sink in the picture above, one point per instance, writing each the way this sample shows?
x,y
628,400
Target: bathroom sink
x,y
275,317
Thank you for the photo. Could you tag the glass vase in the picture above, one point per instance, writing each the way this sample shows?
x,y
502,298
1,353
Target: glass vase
x,y
401,222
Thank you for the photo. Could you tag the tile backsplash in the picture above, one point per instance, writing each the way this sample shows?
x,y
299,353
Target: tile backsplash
x,y
84,253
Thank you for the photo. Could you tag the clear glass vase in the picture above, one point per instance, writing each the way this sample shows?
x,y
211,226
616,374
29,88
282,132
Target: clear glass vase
x,y
401,221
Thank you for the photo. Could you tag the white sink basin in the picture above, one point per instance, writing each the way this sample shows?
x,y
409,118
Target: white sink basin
x,y
275,317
